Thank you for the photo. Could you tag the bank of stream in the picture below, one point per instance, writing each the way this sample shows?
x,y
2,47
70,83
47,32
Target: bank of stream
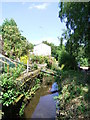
x,y
42,101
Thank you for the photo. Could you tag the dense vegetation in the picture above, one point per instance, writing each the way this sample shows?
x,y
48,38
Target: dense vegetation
x,y
73,101
15,45
11,91
8,84
77,19
74,85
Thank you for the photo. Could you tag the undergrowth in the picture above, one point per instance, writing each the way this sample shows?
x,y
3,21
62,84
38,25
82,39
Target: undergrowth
x,y
74,97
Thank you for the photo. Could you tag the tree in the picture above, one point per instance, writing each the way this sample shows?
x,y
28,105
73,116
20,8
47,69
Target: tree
x,y
61,41
77,19
0,30
14,43
11,36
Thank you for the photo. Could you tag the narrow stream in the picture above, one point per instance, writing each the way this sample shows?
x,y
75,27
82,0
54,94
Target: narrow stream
x,y
43,94
30,108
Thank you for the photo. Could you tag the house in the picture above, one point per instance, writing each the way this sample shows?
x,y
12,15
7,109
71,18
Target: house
x,y
42,49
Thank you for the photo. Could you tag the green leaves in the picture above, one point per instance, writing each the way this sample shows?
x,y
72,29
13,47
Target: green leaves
x,y
11,36
81,108
8,84
22,109
8,97
14,43
74,97
76,16
66,59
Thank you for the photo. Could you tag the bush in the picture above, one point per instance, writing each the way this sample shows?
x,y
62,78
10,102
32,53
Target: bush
x,y
8,84
40,59
68,60
24,59
83,62
37,59
51,63
35,66
9,91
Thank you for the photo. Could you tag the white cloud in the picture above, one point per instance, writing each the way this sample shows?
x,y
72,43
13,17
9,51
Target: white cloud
x,y
39,6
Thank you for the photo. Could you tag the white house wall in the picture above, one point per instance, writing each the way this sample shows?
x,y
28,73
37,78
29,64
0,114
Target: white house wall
x,y
42,49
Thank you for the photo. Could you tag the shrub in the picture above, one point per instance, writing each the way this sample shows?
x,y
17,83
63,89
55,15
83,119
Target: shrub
x,y
37,59
24,59
41,59
9,91
8,84
83,62
68,60
35,66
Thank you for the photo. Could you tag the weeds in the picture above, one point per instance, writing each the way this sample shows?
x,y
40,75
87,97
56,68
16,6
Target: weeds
x,y
75,90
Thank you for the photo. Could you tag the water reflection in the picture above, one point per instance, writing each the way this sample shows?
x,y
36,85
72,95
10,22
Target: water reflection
x,y
54,87
42,104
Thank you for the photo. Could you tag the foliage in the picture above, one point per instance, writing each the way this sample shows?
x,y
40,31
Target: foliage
x,y
40,76
51,61
81,108
54,66
15,45
37,59
76,16
41,59
22,109
8,84
68,60
72,101
10,90
37,81
5,68
83,62
81,58
24,59
29,94
62,66
35,66
33,89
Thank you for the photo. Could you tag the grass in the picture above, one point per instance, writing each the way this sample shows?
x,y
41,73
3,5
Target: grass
x,y
75,95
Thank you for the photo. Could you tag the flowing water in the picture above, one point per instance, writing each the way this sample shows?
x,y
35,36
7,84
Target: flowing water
x,y
42,102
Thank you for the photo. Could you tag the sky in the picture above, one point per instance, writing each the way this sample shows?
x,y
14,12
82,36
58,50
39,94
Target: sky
x,y
38,21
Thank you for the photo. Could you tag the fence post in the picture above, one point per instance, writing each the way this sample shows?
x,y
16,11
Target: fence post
x,y
27,65
7,68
